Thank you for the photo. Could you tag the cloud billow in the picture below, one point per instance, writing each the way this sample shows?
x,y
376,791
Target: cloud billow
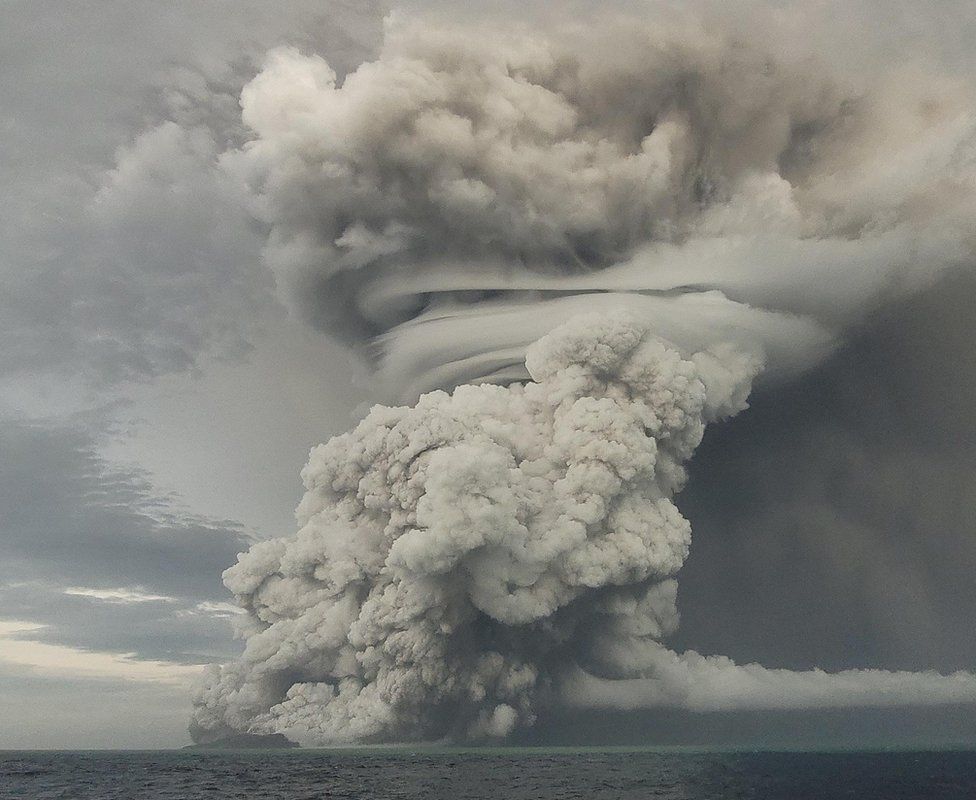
x,y
455,198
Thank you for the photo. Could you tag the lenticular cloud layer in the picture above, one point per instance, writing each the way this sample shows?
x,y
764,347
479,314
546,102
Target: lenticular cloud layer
x,y
577,249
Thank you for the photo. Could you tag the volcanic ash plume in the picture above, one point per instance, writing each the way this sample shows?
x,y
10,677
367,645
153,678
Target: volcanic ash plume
x,y
593,241
462,561
457,556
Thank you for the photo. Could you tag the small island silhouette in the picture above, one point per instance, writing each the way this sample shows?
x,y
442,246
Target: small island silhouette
x,y
246,741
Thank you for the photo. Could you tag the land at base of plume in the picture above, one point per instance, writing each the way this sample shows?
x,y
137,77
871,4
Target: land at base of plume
x,y
432,774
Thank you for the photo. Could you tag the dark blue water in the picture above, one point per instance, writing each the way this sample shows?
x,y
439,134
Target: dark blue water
x,y
502,774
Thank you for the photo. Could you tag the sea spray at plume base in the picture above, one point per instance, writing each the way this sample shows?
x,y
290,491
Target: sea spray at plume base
x,y
715,683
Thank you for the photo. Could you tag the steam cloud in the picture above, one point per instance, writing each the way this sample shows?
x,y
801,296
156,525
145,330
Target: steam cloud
x,y
595,241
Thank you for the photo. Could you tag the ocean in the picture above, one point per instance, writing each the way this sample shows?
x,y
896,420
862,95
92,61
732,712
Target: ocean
x,y
505,774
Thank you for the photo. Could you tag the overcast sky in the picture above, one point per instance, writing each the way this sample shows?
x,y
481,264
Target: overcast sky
x,y
157,401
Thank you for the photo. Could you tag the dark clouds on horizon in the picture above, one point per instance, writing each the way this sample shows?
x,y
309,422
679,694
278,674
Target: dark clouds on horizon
x,y
74,528
834,521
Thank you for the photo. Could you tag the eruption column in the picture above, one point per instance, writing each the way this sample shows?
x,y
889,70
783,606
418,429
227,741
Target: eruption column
x,y
588,243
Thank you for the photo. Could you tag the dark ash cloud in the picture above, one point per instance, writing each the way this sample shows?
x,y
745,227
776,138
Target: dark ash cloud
x,y
834,519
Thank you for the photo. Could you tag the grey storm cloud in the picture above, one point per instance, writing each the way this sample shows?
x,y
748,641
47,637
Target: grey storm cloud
x,y
125,255
723,211
113,292
133,622
126,258
75,530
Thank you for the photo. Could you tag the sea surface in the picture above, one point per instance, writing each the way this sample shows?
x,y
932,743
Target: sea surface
x,y
539,774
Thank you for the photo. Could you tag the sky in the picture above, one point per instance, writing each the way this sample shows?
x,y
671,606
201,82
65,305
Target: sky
x,y
160,391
